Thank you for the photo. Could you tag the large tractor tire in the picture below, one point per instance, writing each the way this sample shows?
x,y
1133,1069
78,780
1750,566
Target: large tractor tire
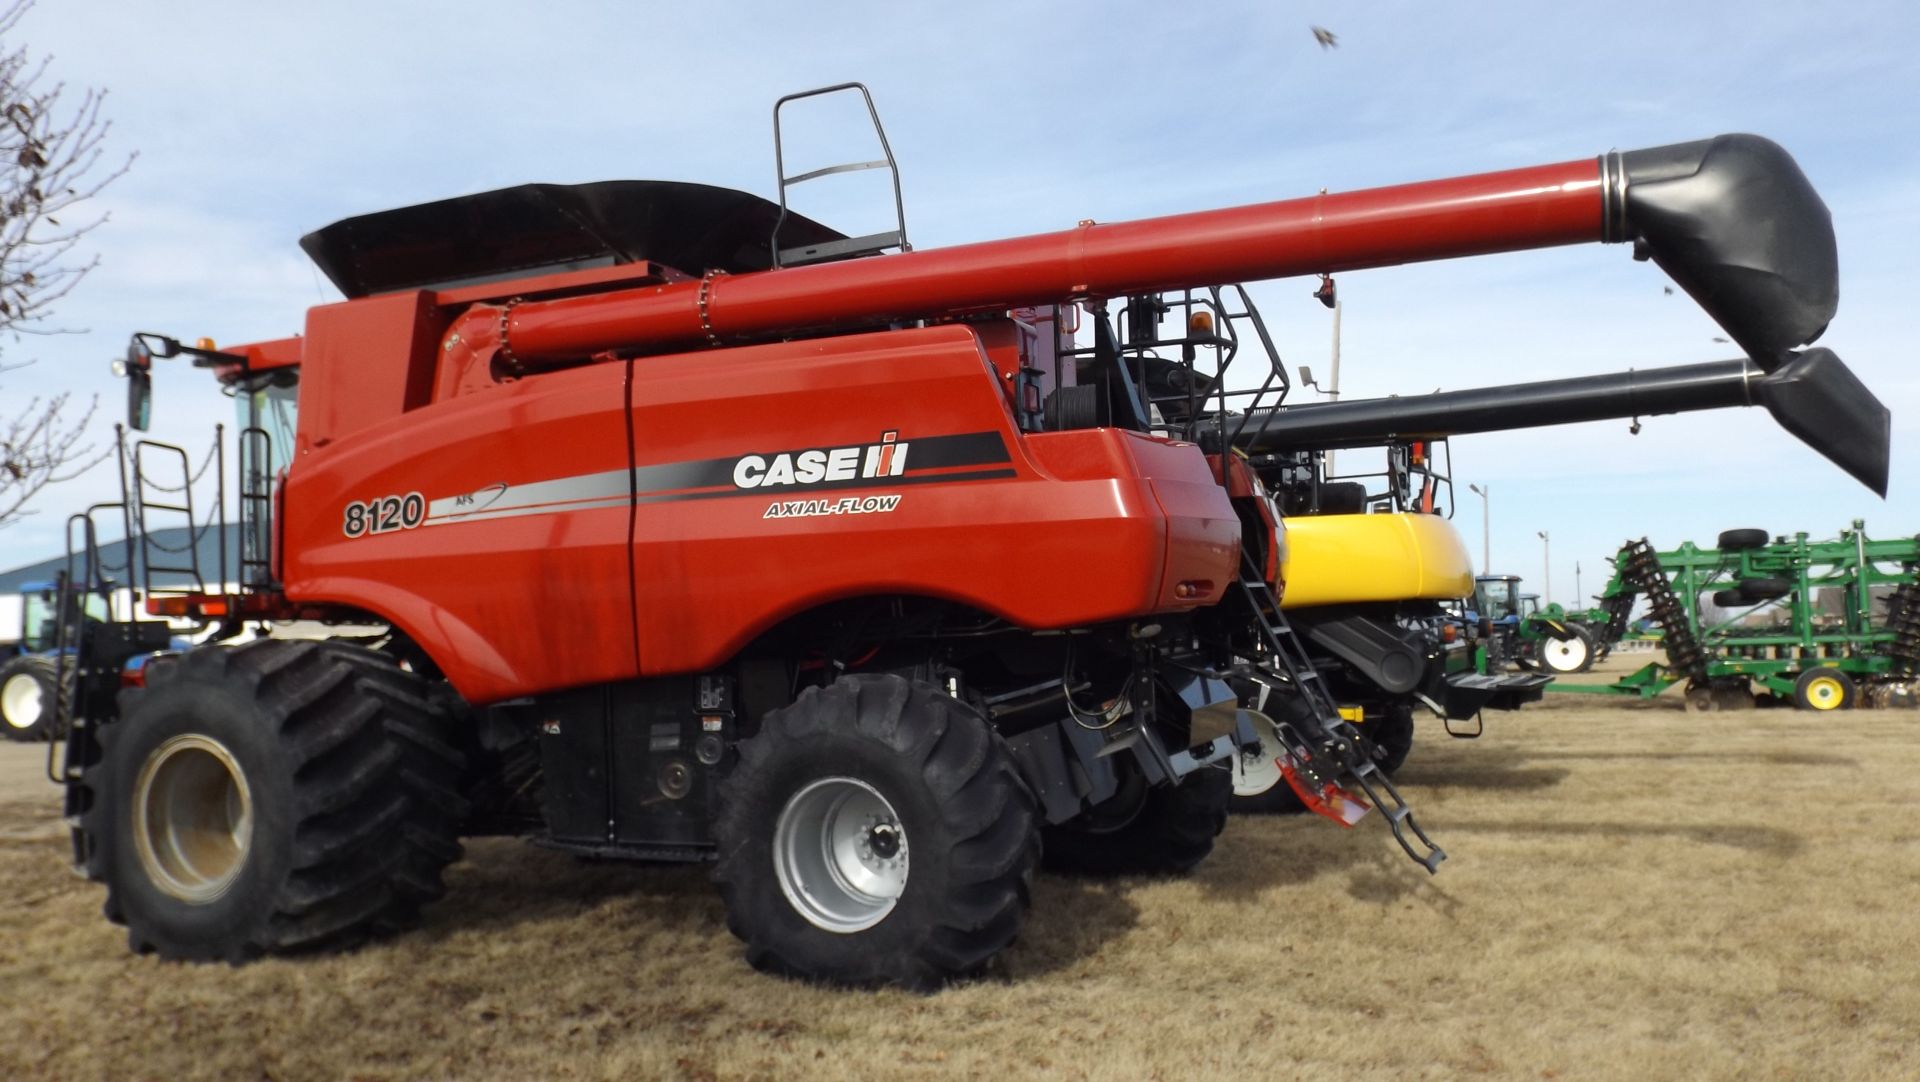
x,y
28,691
1392,734
1564,657
272,797
1145,830
875,832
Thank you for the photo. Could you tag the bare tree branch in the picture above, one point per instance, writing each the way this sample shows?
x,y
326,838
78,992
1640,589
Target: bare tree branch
x,y
52,163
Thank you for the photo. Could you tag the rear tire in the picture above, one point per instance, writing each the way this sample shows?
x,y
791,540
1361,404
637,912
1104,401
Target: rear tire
x,y
273,797
1148,830
1824,690
28,691
1393,735
875,832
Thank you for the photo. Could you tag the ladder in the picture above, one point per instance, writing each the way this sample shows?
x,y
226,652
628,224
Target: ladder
x,y
1324,743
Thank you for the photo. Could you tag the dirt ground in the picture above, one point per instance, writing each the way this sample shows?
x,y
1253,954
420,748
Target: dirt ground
x,y
1633,892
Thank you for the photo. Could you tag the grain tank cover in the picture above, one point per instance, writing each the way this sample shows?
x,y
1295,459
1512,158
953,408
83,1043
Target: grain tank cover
x,y
542,228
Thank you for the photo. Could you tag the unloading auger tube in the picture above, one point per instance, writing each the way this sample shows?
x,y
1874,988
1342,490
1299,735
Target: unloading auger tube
x,y
1732,219
1811,393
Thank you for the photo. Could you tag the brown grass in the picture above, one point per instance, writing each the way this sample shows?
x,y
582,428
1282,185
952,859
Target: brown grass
x,y
1634,892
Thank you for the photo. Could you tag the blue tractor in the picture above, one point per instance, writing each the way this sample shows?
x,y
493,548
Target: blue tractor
x,y
28,673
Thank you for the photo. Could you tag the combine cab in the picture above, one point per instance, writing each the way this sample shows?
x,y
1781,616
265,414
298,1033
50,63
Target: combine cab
x,y
694,530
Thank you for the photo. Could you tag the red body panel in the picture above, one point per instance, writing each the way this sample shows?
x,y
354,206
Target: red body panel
x,y
525,586
366,360
514,602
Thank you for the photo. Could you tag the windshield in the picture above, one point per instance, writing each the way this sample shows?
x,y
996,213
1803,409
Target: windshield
x,y
1496,599
37,618
36,622
269,406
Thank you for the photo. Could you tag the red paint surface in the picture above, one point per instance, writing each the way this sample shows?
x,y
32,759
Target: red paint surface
x,y
515,605
1515,209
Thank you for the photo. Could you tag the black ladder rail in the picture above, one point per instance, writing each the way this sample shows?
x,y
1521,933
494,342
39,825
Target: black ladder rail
x,y
256,509
71,663
145,506
1349,748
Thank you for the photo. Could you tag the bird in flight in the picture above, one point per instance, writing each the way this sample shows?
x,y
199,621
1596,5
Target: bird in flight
x,y
1325,37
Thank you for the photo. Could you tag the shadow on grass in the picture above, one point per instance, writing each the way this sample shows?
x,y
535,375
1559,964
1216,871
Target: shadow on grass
x,y
505,883
1260,854
1766,841
1071,919
1487,767
1767,758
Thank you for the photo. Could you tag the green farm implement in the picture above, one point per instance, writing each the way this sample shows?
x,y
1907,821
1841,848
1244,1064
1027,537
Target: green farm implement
x,y
1790,619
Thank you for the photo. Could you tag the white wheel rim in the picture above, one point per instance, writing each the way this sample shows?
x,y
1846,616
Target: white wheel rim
x,y
1565,655
1253,773
192,818
21,701
840,854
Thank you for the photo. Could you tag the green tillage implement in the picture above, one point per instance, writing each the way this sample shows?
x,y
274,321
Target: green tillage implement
x,y
1808,654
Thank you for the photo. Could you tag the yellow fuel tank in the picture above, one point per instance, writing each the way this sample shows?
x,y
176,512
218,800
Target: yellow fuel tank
x,y
1340,559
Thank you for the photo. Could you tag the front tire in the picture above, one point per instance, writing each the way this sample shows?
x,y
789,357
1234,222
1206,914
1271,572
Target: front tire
x,y
272,797
27,695
1564,657
28,691
875,832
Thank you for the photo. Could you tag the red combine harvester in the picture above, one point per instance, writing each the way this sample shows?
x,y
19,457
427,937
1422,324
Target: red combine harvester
x,y
690,529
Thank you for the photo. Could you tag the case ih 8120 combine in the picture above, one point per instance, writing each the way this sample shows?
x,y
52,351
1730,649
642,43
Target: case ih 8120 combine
x,y
701,532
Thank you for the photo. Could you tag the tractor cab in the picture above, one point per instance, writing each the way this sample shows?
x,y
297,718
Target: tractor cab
x,y
1497,598
40,615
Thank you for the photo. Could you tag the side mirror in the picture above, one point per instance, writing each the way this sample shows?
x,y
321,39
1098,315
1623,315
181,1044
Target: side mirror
x,y
139,399
153,345
1306,376
138,370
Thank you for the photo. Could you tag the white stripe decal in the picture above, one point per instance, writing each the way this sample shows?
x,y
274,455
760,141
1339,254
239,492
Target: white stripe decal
x,y
609,488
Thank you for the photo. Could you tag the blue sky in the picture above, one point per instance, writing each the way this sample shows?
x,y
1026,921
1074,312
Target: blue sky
x,y
258,122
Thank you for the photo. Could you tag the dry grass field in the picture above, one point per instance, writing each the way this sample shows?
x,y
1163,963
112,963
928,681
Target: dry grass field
x,y
1633,893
